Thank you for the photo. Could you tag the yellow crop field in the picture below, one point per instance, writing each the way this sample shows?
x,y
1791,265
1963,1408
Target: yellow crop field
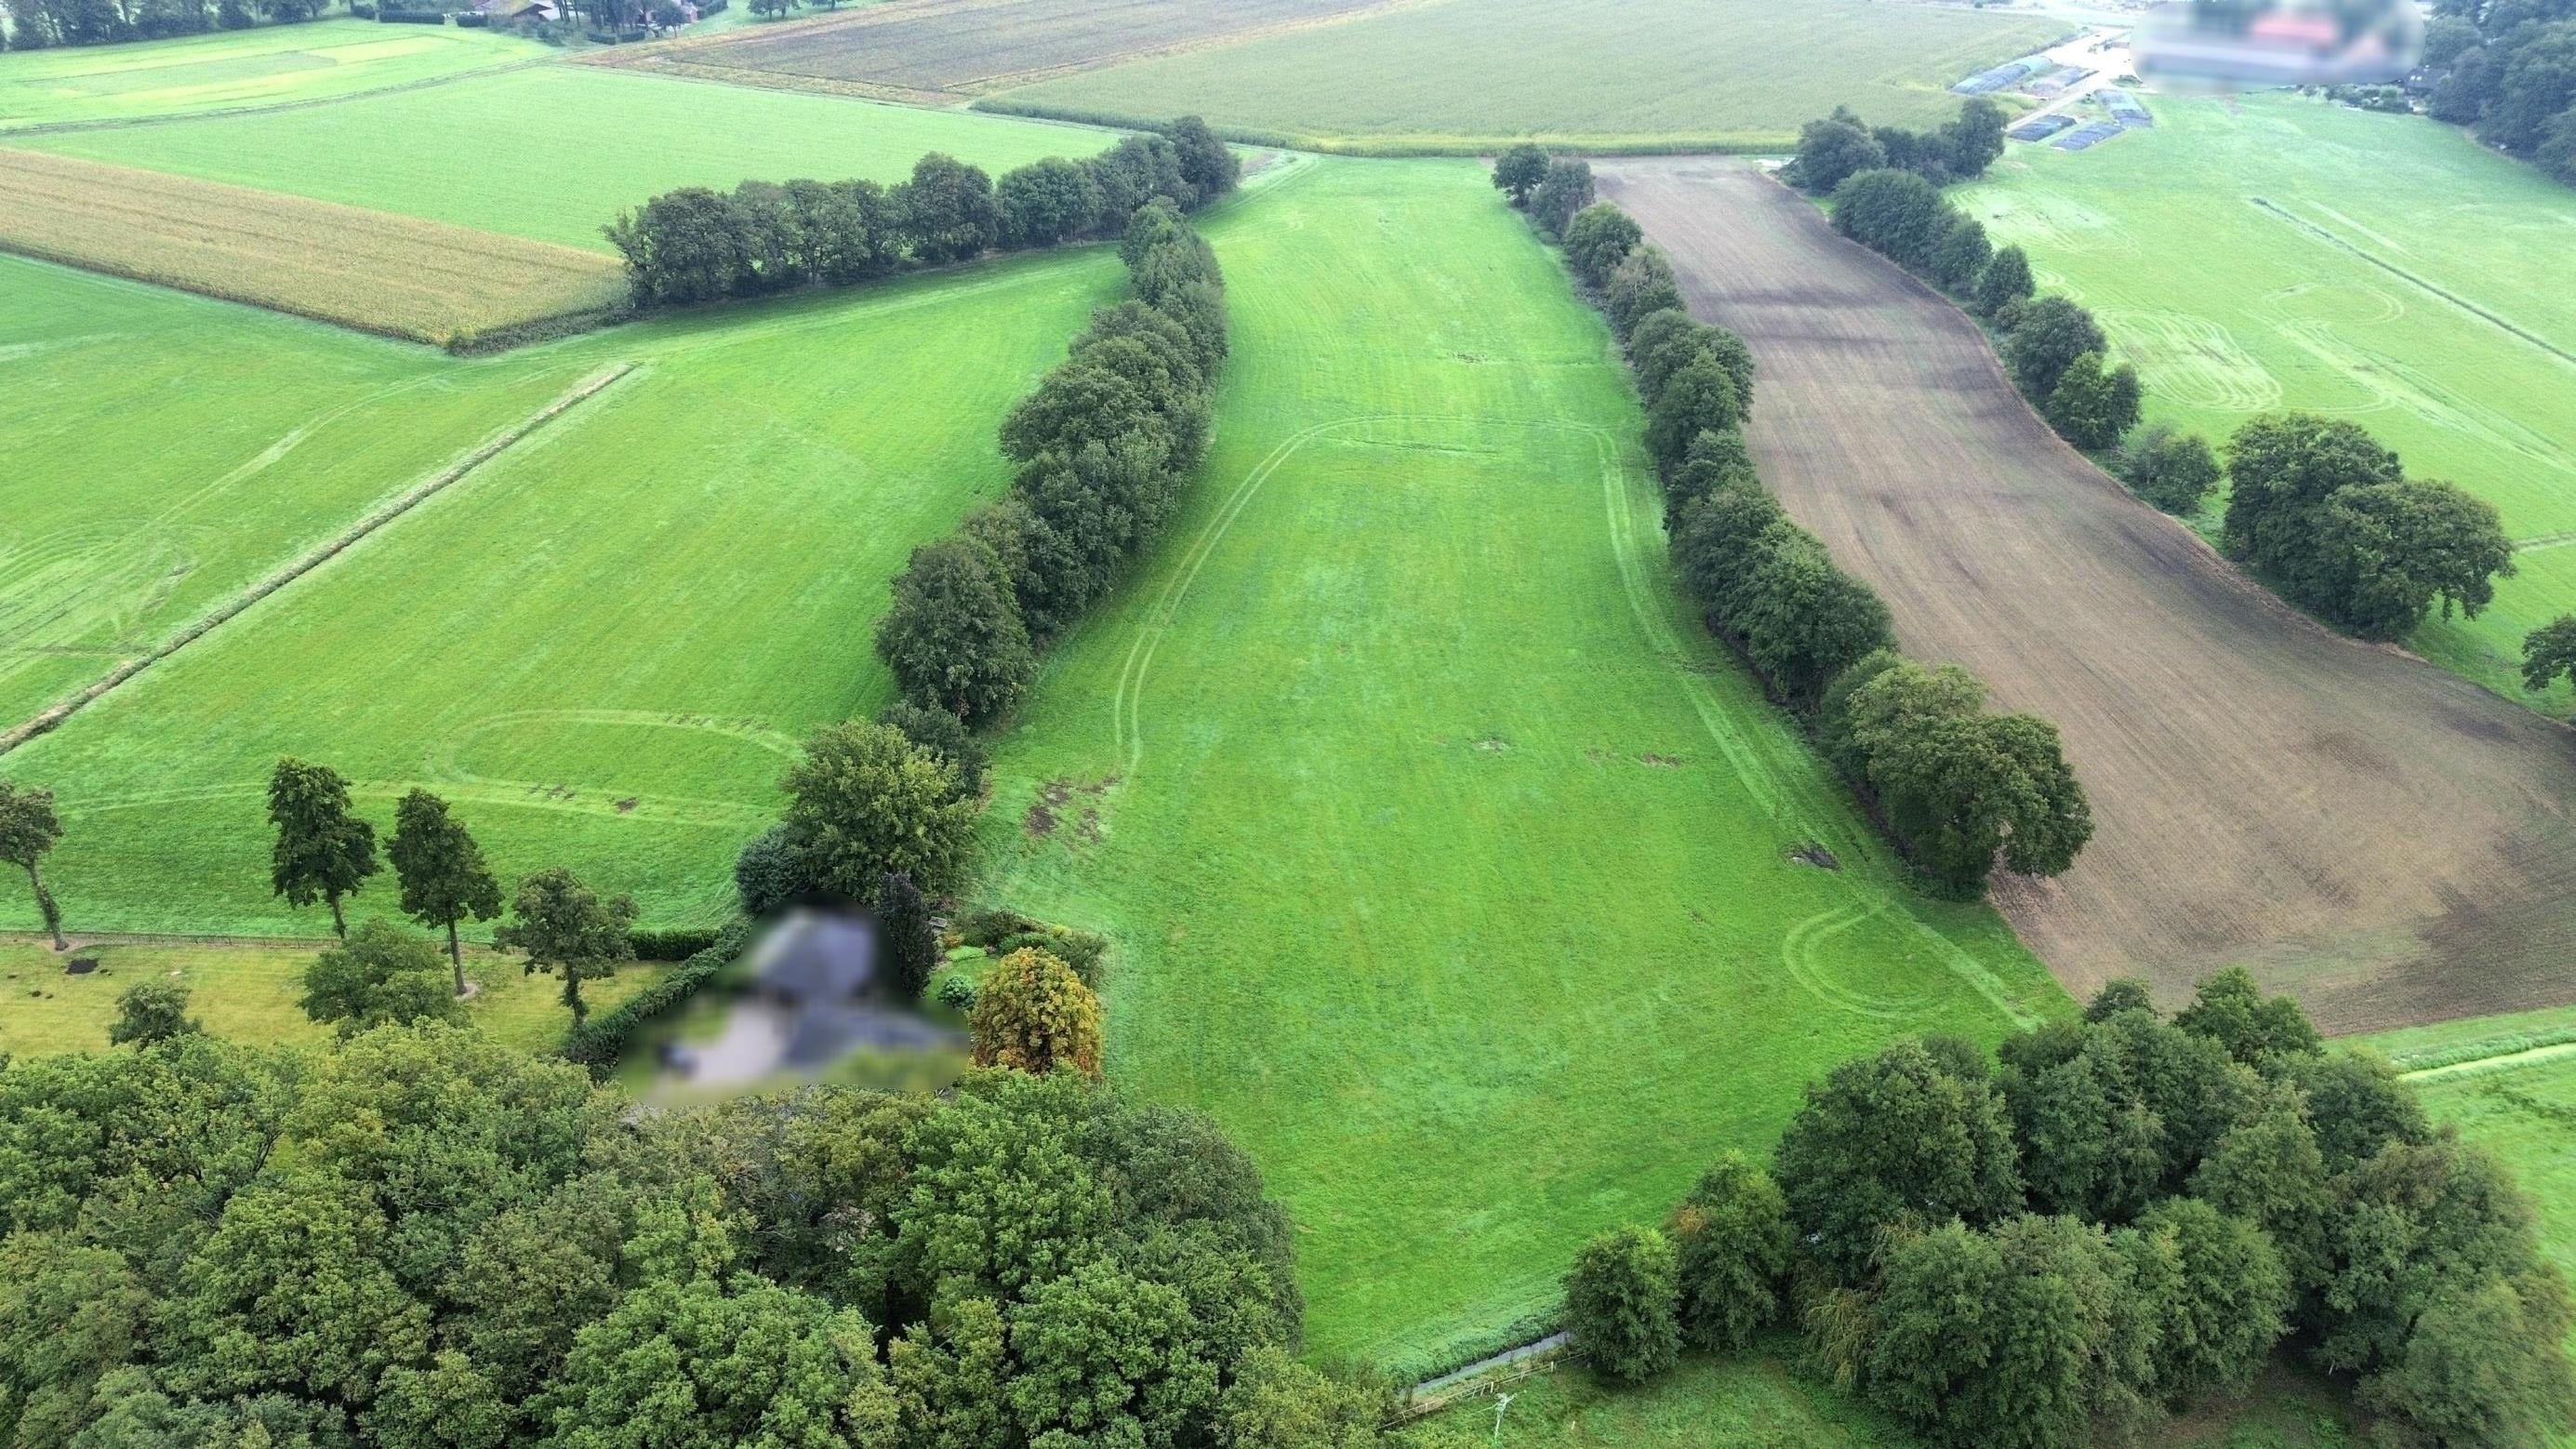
x,y
397,275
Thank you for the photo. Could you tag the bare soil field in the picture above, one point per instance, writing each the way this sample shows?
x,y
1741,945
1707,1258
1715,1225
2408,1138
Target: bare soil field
x,y
396,275
2382,839
946,50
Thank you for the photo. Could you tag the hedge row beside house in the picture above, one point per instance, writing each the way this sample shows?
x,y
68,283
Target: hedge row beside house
x,y
598,1041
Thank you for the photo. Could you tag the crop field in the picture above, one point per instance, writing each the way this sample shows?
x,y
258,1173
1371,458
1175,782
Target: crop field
x,y
1651,74
2288,253
515,169
1450,865
249,993
2383,839
272,65
602,644
371,270
940,51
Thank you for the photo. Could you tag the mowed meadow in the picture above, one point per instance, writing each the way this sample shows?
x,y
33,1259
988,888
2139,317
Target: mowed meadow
x,y
515,169
1450,865
603,645
269,66
2279,252
1669,75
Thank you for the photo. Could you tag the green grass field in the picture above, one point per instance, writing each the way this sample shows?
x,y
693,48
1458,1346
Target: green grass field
x,y
602,645
168,451
553,152
2287,253
1448,860
267,66
249,993
1763,1401
1653,74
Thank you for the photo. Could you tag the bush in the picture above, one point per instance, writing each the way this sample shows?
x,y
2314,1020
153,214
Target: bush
x,y
945,737
956,991
773,873
2171,469
677,943
1598,238
1563,191
1033,1014
1732,1241
1622,1305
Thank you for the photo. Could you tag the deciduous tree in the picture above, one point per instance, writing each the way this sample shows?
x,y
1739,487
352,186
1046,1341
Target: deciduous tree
x,y
1622,1304
149,1012
1732,1239
381,974
323,852
444,879
1519,170
2169,468
28,831
1598,238
954,637
864,801
564,927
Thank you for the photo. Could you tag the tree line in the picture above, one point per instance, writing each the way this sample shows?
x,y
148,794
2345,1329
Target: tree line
x,y
2319,511
419,1238
1842,145
698,245
2110,1219
2507,70
1958,788
42,24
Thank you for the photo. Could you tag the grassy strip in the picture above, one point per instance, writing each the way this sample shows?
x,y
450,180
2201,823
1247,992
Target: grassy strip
x,y
412,498
2478,1051
397,276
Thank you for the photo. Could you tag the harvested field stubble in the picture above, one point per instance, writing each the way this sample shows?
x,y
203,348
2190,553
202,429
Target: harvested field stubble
x,y
2386,841
397,275
940,50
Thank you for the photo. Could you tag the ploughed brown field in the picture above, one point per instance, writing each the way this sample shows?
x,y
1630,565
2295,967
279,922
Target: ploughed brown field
x,y
2382,839
946,50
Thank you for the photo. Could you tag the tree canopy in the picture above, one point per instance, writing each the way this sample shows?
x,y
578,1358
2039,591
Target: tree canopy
x,y
323,852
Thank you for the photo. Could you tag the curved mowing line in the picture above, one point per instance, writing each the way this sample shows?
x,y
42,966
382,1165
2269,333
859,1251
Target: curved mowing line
x,y
418,494
1742,756
2394,270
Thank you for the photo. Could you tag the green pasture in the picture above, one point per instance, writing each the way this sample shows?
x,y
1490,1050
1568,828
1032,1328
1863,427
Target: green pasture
x,y
553,152
167,451
267,66
249,993
2508,1083
1449,863
2279,252
1765,1399
602,646
1648,74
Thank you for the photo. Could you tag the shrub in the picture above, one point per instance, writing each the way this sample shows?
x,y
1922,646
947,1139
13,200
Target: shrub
x,y
956,991
1622,1302
773,872
676,943
1563,191
944,737
1598,238
1732,1241
1034,1015
381,974
2171,469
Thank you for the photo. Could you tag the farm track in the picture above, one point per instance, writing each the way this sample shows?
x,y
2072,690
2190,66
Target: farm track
x,y
2385,841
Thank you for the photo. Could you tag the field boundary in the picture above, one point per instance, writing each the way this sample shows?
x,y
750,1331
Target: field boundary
x,y
1730,143
46,720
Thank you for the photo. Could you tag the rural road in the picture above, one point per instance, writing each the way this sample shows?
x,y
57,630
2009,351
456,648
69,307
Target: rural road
x,y
2383,840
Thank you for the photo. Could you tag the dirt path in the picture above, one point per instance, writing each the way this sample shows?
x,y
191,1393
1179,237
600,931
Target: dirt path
x,y
2383,839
